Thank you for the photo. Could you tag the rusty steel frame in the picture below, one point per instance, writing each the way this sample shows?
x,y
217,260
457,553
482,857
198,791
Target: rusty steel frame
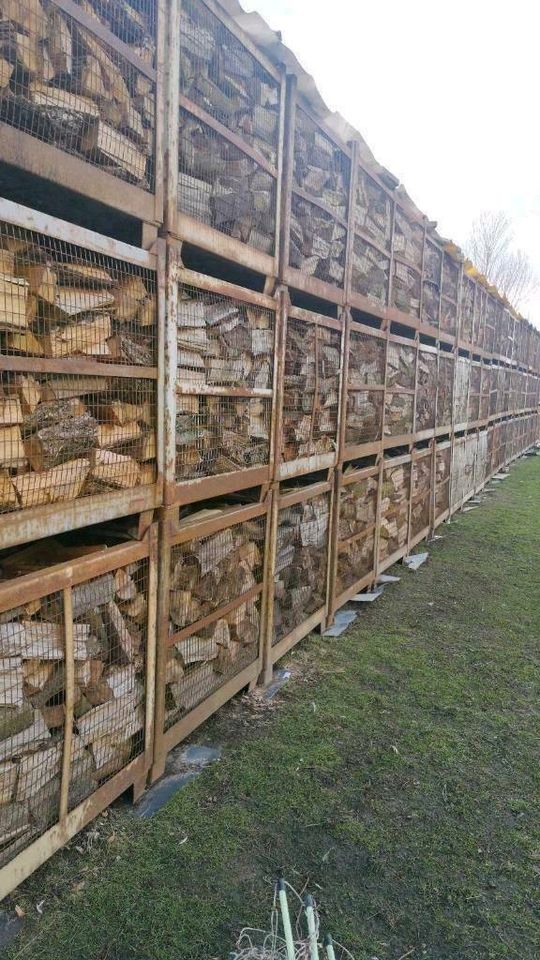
x,y
62,578
27,152
174,531
342,480
22,526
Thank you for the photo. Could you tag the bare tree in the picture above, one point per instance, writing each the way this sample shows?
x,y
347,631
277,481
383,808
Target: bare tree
x,y
490,247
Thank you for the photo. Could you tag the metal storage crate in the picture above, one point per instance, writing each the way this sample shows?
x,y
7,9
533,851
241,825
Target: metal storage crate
x,y
468,292
443,461
461,391
78,648
485,390
427,380
400,392
362,428
226,104
463,470
317,183
475,382
407,251
420,520
395,498
445,390
310,393
79,331
431,285
80,104
354,539
481,467
371,246
220,386
450,295
210,615
299,566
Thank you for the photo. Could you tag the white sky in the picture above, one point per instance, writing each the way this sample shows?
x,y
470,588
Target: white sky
x,y
444,93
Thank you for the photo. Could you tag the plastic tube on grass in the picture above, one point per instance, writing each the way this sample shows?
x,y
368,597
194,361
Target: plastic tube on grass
x,y
329,947
312,929
286,920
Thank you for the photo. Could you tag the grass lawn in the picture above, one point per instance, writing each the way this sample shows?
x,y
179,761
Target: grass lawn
x,y
398,777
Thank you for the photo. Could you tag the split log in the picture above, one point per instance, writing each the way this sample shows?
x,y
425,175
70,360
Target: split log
x,y
70,439
64,482
355,561
370,272
301,571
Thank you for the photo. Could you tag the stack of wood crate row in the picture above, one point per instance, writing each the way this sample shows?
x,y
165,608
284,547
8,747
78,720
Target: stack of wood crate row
x,y
240,375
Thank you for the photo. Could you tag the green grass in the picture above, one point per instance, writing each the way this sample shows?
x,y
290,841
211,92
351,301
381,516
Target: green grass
x,y
398,779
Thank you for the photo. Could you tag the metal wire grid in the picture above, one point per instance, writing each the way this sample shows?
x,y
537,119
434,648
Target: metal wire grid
x,y
481,465
400,387
430,303
320,168
216,435
58,300
467,308
301,563
222,187
356,533
405,288
408,238
370,271
372,210
65,87
68,436
485,390
367,358
490,324
426,390
222,77
209,573
442,479
132,21
445,390
355,560
317,242
450,278
479,316
493,390
474,392
109,633
394,516
421,495
311,390
461,390
463,469
223,341
448,316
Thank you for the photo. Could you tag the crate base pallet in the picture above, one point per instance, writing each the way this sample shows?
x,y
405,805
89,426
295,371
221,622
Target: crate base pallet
x,y
211,611
78,641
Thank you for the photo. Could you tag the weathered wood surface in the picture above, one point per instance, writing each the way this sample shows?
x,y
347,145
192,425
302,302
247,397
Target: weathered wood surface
x,y
394,519
109,651
66,87
311,390
300,563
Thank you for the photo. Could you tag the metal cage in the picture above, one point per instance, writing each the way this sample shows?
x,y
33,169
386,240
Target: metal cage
x,y
395,496
365,385
355,533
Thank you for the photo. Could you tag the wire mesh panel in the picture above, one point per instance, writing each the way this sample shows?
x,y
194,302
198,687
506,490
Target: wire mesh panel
x,y
450,289
485,390
481,469
426,390
505,389
394,516
321,171
493,390
468,288
223,342
461,390
408,238
372,211
431,285
214,610
421,494
492,309
400,387
365,388
479,316
474,392
67,88
370,271
356,531
100,691
463,469
311,390
65,436
405,288
443,456
445,389
221,186
220,434
59,300
132,21
301,563
221,76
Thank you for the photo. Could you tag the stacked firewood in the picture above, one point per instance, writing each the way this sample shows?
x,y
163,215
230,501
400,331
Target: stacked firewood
x,y
220,75
408,238
217,435
372,210
357,516
364,406
442,479
473,412
301,563
311,394
467,309
445,389
461,390
406,288
64,86
450,285
109,629
370,271
394,522
318,234
132,21
426,390
431,285
420,494
221,186
400,382
208,573
57,303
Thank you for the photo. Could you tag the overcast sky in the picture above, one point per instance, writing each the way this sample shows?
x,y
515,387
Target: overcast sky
x,y
445,94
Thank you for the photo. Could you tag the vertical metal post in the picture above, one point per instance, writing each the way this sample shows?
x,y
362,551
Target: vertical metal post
x,y
69,703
